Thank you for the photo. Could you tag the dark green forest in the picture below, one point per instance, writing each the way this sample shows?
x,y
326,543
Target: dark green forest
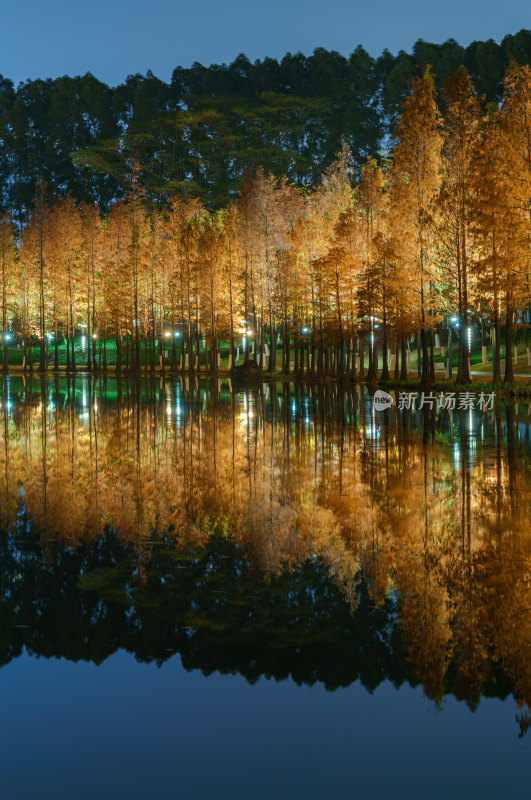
x,y
201,132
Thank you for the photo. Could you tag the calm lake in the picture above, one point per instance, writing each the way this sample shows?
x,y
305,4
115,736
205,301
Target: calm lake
x,y
276,592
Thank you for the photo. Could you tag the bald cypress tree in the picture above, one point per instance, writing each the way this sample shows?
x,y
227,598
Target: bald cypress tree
x,y
461,124
416,160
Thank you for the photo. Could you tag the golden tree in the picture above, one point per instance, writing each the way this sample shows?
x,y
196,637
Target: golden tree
x,y
416,161
461,126
7,269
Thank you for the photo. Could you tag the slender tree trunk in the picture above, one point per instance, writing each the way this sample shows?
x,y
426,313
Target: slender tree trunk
x,y
354,369
56,342
385,354
362,357
450,355
396,374
496,350
403,364
72,333
509,372
118,351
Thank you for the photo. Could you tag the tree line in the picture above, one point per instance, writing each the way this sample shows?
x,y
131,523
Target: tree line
x,y
208,125
314,280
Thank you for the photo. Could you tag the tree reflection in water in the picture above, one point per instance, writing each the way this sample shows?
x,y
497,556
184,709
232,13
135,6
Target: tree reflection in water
x,y
285,530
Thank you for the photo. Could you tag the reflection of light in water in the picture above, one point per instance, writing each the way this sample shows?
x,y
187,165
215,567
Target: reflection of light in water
x,y
178,409
293,408
168,410
372,431
471,432
306,408
84,396
456,453
247,410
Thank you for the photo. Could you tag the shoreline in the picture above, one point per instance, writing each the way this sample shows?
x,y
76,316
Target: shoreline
x,y
520,387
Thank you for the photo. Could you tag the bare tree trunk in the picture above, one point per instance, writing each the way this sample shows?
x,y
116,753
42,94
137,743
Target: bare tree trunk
x,y
509,372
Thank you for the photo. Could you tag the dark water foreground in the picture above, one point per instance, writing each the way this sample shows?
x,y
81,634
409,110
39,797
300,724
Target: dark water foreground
x,y
278,592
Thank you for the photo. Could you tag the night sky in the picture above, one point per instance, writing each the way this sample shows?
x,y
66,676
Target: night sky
x,y
114,38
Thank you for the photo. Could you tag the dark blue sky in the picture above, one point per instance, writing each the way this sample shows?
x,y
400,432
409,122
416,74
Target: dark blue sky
x,y
113,38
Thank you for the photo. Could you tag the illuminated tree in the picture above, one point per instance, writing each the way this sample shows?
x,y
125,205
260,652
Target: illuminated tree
x,y
416,159
515,114
32,253
66,254
461,124
7,274
489,223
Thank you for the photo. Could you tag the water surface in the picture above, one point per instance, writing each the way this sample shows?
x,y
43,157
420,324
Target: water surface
x,y
212,592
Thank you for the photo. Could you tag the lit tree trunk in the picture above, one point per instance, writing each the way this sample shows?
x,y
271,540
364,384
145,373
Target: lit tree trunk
x,y
118,335
354,368
403,359
425,373
4,315
341,351
509,314
56,341
385,365
42,343
231,323
396,374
